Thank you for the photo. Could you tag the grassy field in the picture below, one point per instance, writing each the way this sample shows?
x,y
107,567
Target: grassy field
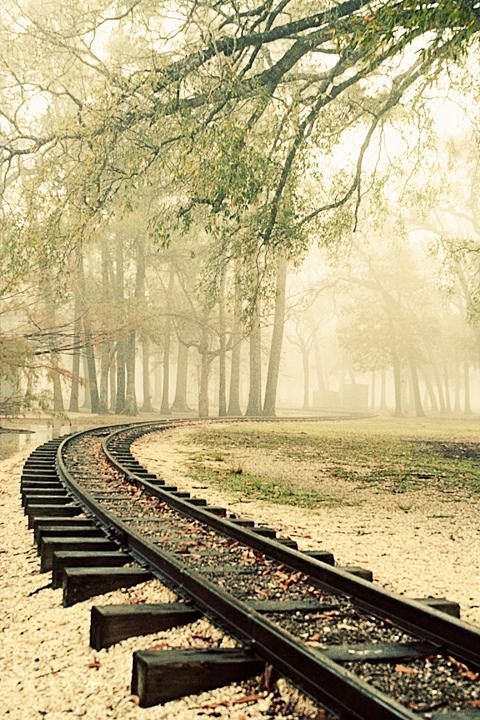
x,y
301,463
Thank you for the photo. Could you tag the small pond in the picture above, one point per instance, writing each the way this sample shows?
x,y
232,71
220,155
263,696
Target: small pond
x,y
13,440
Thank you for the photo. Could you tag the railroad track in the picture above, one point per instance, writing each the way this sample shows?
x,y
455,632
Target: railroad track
x,y
102,521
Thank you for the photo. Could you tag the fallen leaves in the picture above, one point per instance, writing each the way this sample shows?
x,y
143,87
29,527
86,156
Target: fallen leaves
x,y
237,701
465,671
405,669
159,646
269,678
286,579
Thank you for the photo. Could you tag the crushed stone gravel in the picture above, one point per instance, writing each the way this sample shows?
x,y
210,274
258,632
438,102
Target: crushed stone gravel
x,y
418,544
48,669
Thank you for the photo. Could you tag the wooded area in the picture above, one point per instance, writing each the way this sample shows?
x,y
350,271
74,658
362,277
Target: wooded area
x,y
225,207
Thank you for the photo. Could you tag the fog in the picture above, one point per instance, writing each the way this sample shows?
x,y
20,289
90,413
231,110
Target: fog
x,y
194,227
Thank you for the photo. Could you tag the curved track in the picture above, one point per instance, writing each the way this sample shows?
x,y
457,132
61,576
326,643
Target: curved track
x,y
244,580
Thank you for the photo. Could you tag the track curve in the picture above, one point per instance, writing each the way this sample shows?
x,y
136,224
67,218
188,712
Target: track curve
x,y
332,682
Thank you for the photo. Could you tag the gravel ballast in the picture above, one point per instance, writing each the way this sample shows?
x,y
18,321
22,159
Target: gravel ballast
x,y
48,669
417,544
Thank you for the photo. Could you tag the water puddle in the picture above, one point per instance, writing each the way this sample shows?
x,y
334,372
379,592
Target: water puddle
x,y
30,435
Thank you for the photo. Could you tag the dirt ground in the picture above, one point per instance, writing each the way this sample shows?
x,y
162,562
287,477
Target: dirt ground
x,y
420,543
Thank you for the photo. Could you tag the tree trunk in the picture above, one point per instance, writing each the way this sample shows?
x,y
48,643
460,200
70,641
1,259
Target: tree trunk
x,y
222,380
130,393
438,383
447,390
147,393
89,351
120,398
430,392
466,386
113,386
383,389
277,338
58,405
165,407
180,400
203,408
419,411
236,339
305,350
104,371
254,405
397,381
91,367
131,407
321,380
157,376
77,329
54,374
105,356
373,394
457,390
86,391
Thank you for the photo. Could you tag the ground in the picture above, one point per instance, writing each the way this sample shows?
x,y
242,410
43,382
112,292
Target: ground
x,y
399,496
389,495
49,671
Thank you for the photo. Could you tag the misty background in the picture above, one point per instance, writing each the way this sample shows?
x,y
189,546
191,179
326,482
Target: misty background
x,y
174,242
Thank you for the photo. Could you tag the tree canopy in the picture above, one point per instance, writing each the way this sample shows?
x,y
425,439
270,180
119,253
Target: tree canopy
x,y
222,105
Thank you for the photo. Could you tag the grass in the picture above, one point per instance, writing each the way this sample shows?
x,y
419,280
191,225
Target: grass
x,y
393,455
8,445
258,487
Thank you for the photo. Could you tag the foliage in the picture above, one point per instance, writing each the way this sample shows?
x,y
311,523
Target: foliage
x,y
100,100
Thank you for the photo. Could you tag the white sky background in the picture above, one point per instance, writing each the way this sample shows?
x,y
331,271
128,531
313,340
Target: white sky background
x,y
451,117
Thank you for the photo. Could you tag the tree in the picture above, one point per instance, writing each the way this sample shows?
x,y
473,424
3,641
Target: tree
x,y
220,115
277,67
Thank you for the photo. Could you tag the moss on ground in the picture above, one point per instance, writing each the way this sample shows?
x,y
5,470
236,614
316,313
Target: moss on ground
x,y
394,455
256,486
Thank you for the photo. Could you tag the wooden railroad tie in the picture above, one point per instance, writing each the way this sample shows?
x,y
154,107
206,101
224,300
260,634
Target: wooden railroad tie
x,y
49,544
38,476
442,605
110,624
34,501
29,484
216,510
58,522
264,531
82,583
72,530
63,559
242,522
158,677
323,555
61,510
360,572
43,495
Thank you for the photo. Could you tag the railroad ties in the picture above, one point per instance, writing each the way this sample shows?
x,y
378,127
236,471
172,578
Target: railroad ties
x,y
330,630
82,557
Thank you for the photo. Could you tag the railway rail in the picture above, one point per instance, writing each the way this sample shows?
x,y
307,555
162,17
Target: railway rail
x,y
358,650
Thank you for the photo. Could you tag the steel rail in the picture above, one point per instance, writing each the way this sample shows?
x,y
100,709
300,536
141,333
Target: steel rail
x,y
330,684
459,638
327,682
